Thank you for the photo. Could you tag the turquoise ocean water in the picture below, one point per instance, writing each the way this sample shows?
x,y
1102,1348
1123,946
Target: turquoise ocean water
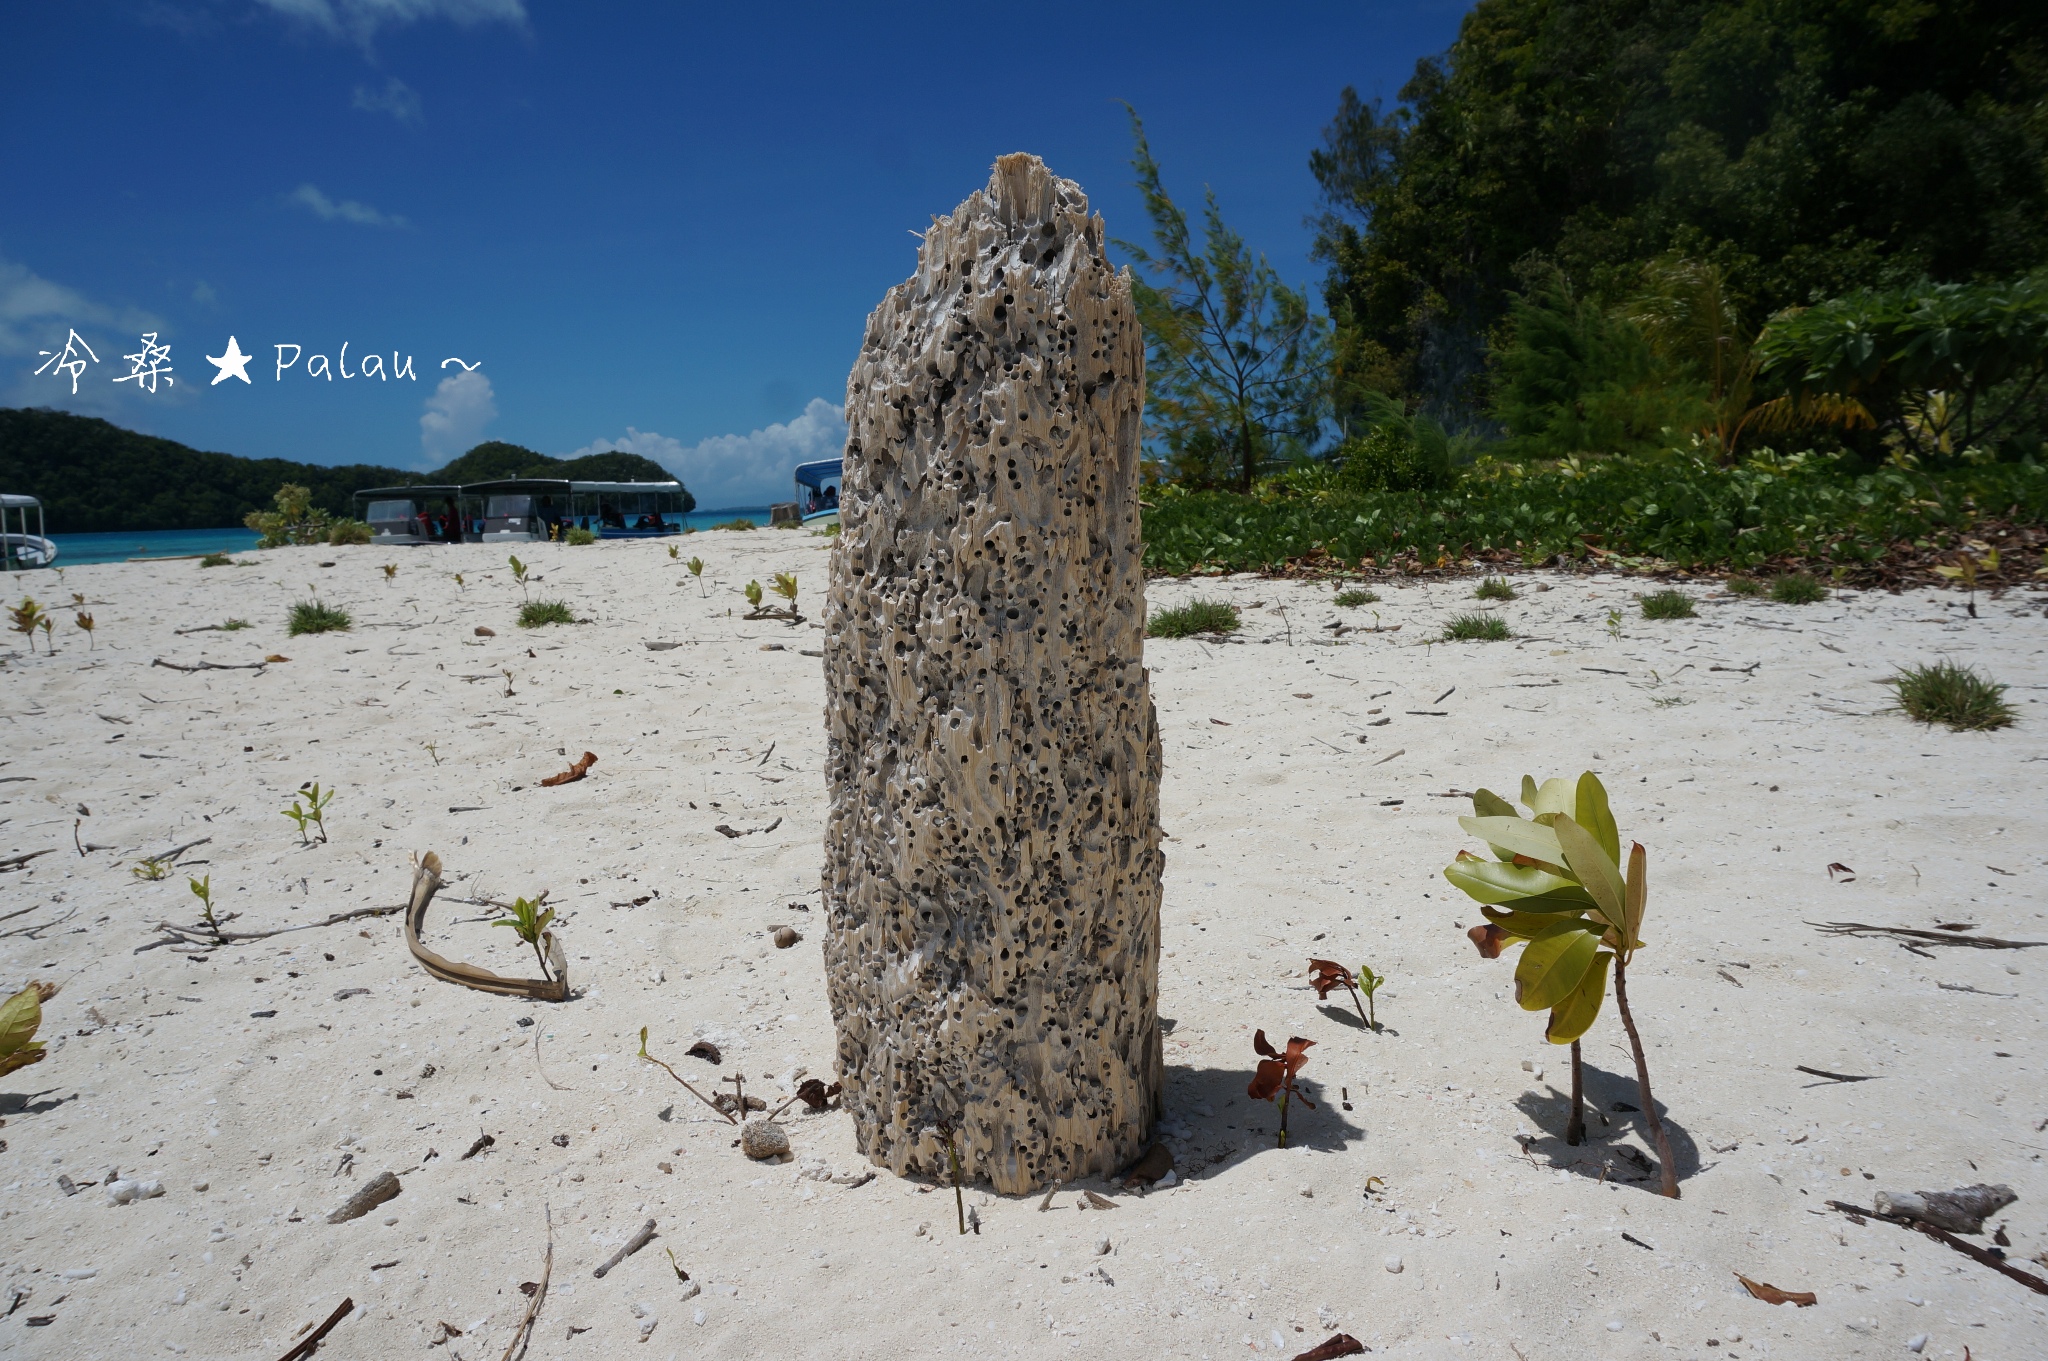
x,y
74,550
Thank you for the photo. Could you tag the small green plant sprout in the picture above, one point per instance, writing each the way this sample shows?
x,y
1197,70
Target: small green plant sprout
x,y
151,868
1353,598
674,552
310,616
1667,604
1494,588
390,572
1614,624
784,585
696,569
518,574
1965,570
1274,1079
216,560
540,613
729,1116
202,889
529,921
579,537
431,752
1556,888
1744,585
20,1017
234,626
26,618
460,584
85,622
1476,628
313,812
1195,617
1798,588
1960,696
1326,975
49,626
754,594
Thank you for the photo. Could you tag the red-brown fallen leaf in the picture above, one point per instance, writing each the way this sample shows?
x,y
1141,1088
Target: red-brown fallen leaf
x,y
1837,867
1326,975
705,1049
1489,938
816,1094
576,771
1770,1294
1339,1344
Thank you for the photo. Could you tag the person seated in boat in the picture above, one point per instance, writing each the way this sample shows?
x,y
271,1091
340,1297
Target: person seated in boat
x,y
831,498
608,516
550,517
451,522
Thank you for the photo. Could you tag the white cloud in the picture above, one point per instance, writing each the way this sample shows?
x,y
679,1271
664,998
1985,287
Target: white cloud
x,y
309,197
37,313
739,470
397,98
455,417
359,20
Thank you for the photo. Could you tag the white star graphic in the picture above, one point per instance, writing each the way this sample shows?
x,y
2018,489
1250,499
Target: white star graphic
x,y
233,364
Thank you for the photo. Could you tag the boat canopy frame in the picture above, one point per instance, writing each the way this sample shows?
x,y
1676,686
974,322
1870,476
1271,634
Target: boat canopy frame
x,y
817,487
15,546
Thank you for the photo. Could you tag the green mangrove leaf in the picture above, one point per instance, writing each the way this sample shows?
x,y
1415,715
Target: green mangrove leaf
x,y
1522,925
1591,866
1596,817
1554,962
1574,1016
19,1017
1638,894
1498,881
1556,796
1487,804
1518,836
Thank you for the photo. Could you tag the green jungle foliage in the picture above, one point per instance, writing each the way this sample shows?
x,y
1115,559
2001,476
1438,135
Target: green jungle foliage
x,y
93,476
1684,507
1805,148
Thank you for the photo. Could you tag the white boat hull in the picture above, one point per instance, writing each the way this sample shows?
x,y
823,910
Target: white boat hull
x,y
28,550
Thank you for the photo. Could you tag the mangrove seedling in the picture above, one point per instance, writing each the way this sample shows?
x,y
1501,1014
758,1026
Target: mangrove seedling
x,y
390,572
784,585
696,566
1556,888
49,626
151,868
529,921
1274,1080
26,617
1326,975
674,552
85,622
460,584
754,594
202,889
1965,570
313,813
20,1016
953,1161
431,752
1614,624
730,1118
519,574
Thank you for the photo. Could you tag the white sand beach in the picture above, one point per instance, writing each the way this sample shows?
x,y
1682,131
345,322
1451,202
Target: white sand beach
x,y
1427,1205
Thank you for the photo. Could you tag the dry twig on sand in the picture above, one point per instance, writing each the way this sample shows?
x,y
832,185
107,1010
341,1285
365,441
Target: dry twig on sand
x,y
209,666
524,1332
1906,934
310,1343
1857,1214
205,937
632,1245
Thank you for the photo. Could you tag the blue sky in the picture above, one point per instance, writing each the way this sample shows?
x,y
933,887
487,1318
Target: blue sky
x,y
653,226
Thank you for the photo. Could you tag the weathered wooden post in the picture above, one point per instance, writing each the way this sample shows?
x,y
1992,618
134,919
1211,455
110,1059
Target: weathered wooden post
x,y
992,860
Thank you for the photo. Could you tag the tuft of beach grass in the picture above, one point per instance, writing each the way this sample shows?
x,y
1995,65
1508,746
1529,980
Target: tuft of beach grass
x,y
1476,628
1959,696
1197,616
1667,604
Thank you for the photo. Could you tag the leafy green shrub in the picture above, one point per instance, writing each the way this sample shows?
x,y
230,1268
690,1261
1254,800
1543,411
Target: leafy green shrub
x,y
1353,598
310,616
1476,628
1197,616
1391,458
576,536
1681,506
1667,604
216,560
740,523
1960,696
1494,588
1742,585
540,613
1797,588
347,532
295,521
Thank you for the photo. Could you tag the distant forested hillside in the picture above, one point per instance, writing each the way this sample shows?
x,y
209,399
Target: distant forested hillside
x,y
93,476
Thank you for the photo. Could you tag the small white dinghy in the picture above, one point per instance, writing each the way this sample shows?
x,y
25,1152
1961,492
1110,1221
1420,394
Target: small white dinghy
x,y
20,549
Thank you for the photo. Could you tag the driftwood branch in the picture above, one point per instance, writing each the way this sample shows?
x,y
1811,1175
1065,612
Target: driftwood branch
x,y
200,934
633,1245
1970,1250
426,881
209,666
13,860
1906,933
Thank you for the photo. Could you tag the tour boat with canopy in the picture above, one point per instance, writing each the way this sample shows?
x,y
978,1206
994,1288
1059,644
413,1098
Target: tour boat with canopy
x,y
817,488
414,514
20,549
544,508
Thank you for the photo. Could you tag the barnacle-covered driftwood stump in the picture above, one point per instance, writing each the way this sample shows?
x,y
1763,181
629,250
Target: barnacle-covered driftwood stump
x,y
992,861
